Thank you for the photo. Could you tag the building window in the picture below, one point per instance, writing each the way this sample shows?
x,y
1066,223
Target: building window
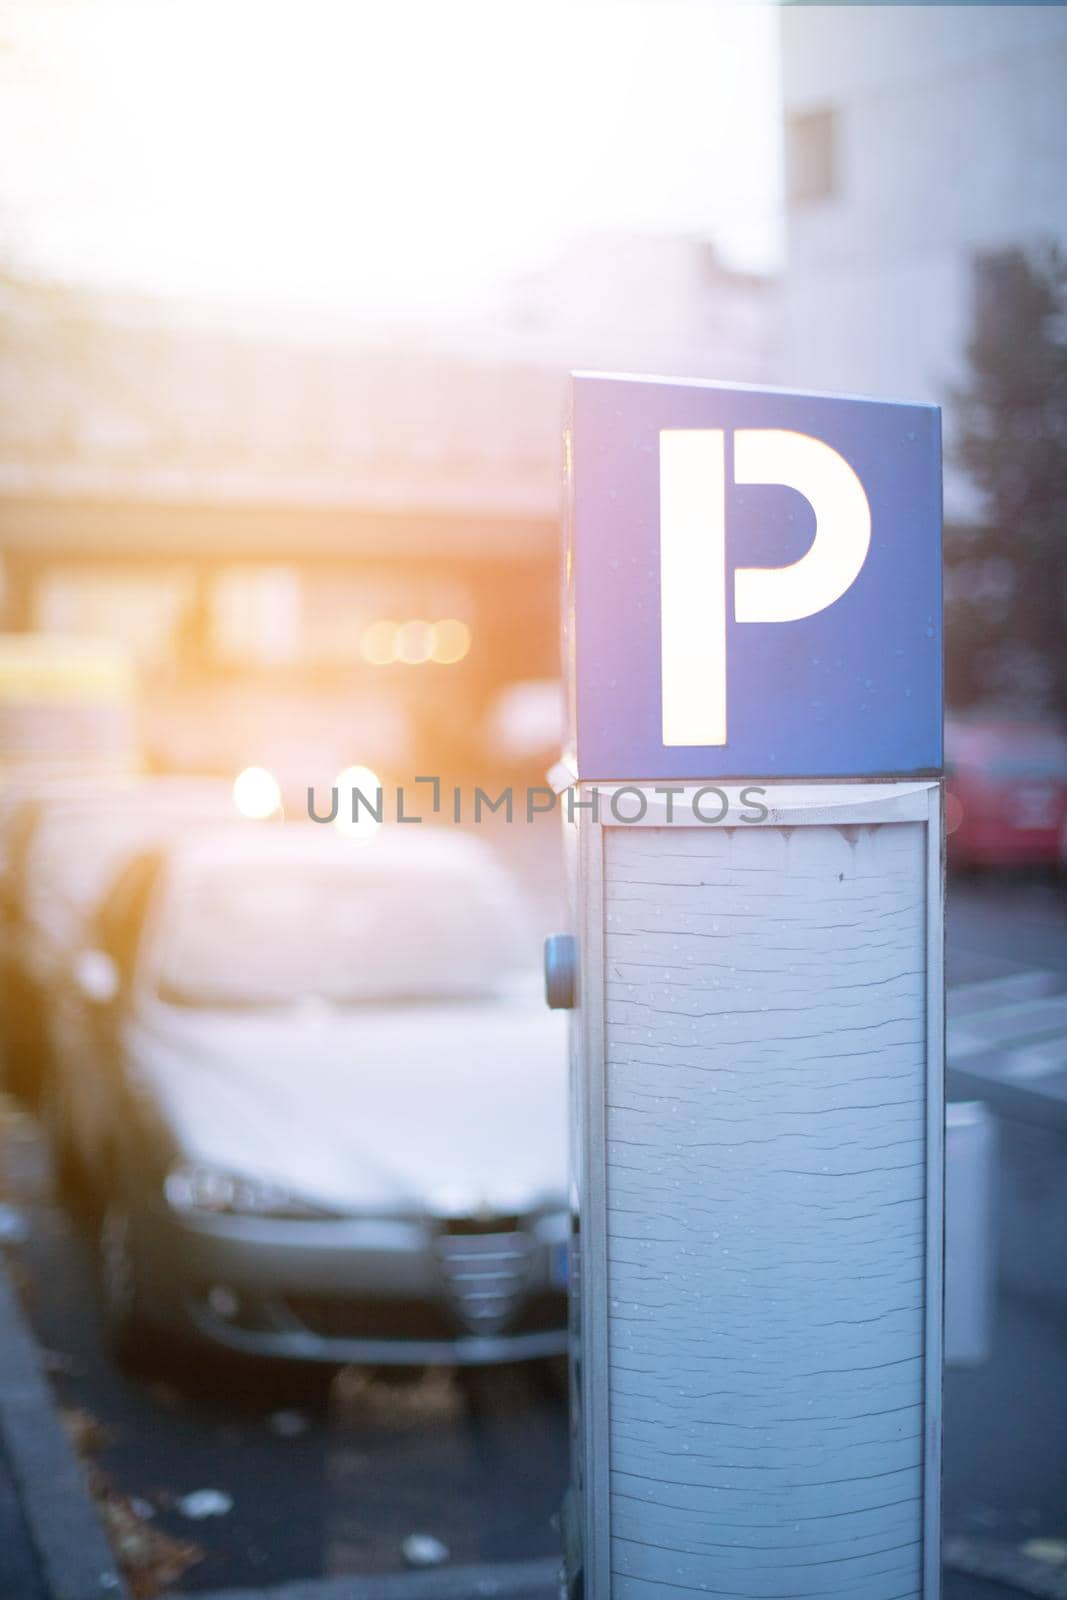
x,y
811,156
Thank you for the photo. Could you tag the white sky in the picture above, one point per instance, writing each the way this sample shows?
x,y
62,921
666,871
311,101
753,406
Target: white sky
x,y
394,156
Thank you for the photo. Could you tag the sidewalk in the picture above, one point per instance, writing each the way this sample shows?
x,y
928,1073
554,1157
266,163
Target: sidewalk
x,y
19,1570
52,1544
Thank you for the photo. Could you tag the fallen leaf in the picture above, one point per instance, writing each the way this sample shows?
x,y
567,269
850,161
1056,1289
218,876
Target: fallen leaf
x,y
151,1560
86,1433
360,1396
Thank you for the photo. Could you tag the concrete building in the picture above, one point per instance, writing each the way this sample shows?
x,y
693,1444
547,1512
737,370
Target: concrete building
x,y
118,397
921,144
637,303
241,498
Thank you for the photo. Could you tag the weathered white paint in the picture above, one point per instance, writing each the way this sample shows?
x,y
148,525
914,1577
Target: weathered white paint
x,y
756,1208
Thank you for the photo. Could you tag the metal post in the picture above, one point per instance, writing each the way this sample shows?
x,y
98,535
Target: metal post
x,y
757,1045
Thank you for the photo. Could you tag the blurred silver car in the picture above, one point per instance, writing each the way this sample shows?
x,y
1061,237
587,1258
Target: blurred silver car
x,y
322,1112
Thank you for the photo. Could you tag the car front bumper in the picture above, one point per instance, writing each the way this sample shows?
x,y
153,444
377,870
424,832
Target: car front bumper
x,y
365,1290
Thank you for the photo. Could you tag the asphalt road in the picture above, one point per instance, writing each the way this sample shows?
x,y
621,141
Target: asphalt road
x,y
319,1484
1005,1423
1000,925
333,1487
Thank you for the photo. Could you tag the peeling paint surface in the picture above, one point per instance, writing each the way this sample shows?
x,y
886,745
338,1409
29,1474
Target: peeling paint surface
x,y
765,1055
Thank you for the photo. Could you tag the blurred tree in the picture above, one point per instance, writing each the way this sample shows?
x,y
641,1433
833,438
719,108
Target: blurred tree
x,y
1007,579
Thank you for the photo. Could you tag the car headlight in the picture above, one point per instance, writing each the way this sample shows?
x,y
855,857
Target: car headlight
x,y
189,1188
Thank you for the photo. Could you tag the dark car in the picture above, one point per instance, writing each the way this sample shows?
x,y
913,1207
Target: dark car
x,y
321,1116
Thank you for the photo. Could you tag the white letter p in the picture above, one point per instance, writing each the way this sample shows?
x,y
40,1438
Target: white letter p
x,y
693,558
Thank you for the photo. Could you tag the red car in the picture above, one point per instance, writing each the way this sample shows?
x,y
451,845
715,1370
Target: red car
x,y
1006,799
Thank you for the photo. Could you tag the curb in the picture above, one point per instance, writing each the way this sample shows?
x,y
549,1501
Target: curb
x,y
499,1580
75,1559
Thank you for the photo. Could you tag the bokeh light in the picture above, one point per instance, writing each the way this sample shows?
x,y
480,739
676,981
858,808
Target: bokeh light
x,y
451,641
414,642
379,641
365,825
256,793
384,642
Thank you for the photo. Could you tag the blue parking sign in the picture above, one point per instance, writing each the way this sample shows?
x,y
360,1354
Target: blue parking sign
x,y
753,583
